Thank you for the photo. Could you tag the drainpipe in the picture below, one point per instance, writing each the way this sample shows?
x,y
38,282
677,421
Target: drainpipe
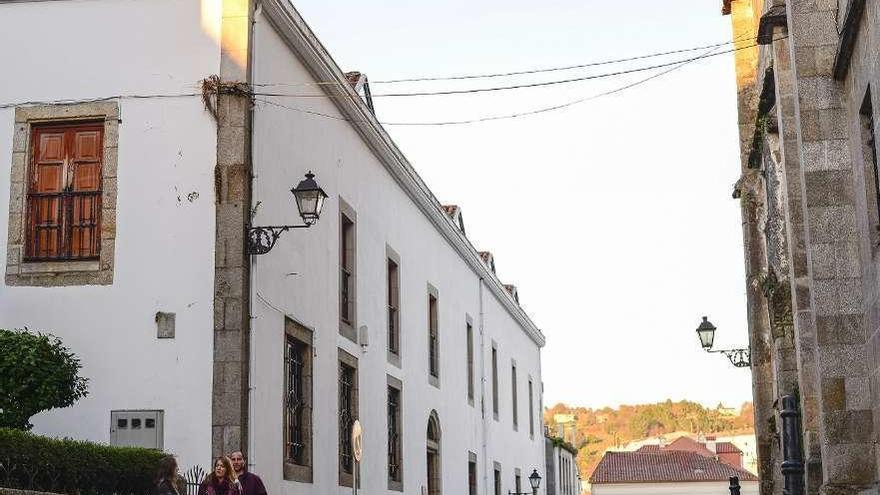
x,y
251,440
485,435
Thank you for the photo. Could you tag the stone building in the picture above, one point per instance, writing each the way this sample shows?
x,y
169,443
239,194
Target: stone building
x,y
133,165
808,81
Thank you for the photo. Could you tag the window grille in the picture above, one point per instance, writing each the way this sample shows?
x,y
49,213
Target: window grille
x,y
346,416
296,401
394,456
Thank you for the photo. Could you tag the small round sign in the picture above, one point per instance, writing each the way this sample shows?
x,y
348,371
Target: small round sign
x,y
356,434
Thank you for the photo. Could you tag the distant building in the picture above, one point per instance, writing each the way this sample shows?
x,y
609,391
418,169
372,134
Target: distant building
x,y
562,476
727,412
725,452
666,471
744,443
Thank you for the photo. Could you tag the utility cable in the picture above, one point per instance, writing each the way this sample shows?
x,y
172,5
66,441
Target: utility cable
x,y
518,72
524,85
513,115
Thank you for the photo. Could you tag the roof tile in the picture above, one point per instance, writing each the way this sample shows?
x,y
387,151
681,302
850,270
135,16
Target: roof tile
x,y
642,467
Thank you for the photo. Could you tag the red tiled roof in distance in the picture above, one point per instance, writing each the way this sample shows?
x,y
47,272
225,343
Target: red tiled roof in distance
x,y
668,466
686,444
727,448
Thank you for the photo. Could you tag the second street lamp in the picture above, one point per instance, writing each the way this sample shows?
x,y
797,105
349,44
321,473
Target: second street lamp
x,y
741,358
309,199
534,482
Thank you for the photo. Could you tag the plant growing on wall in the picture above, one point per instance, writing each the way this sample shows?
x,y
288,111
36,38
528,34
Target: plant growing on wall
x,y
37,373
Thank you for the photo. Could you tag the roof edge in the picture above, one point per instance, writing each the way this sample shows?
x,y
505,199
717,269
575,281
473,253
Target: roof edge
x,y
290,25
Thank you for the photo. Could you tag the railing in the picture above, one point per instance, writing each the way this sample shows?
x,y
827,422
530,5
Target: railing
x,y
63,226
192,478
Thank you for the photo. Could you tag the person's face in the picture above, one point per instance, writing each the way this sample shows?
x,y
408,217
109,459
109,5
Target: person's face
x,y
237,461
219,469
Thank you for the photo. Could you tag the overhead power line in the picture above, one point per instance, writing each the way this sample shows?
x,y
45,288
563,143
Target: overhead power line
x,y
551,69
517,114
521,86
519,72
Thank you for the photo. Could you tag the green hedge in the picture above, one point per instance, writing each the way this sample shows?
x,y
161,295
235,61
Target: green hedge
x,y
32,462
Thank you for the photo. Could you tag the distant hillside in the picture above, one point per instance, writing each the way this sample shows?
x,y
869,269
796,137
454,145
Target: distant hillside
x,y
593,431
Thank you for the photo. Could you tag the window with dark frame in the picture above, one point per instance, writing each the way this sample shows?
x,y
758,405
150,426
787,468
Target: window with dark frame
x,y
394,452
64,192
296,402
433,337
470,362
513,395
346,416
472,476
346,270
531,411
497,481
495,381
872,174
393,307
517,482
296,432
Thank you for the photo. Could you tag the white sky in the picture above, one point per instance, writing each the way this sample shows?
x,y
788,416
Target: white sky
x,y
613,217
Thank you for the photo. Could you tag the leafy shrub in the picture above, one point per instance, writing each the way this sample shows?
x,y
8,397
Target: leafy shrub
x,y
37,373
32,462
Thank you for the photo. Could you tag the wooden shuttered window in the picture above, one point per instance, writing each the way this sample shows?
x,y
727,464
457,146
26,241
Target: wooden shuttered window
x,y
64,192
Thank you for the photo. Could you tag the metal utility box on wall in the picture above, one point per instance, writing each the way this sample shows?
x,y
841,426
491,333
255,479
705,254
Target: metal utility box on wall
x,y
137,428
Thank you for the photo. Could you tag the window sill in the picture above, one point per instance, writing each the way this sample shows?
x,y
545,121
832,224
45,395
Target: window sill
x,y
434,380
348,331
394,359
60,273
395,486
295,472
59,266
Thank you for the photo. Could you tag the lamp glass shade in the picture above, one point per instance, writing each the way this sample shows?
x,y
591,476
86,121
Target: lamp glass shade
x,y
535,479
309,199
706,332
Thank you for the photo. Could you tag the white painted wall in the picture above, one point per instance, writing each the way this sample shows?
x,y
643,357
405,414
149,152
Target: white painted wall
x,y
565,472
692,488
165,243
299,278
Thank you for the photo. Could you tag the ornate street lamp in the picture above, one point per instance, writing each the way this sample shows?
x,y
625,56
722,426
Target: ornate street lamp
x,y
309,199
741,358
534,481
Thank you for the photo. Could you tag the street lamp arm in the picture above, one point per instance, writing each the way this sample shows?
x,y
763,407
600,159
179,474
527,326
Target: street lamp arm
x,y
261,239
741,358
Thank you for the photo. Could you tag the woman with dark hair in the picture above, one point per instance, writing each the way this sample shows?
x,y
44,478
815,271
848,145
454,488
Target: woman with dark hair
x,y
167,477
221,480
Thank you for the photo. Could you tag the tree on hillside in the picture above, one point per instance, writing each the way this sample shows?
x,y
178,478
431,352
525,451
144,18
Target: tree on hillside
x,y
37,373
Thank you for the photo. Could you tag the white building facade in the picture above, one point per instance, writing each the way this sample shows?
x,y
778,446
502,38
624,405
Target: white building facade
x,y
131,184
563,476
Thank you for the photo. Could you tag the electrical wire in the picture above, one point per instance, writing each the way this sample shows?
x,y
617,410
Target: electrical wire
x,y
69,101
519,72
552,69
518,114
524,85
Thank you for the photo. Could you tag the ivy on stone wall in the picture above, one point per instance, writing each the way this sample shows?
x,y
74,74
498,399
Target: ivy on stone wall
x,y
765,104
778,295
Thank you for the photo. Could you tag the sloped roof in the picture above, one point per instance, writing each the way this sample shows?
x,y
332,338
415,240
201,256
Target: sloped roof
x,y
665,466
687,444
